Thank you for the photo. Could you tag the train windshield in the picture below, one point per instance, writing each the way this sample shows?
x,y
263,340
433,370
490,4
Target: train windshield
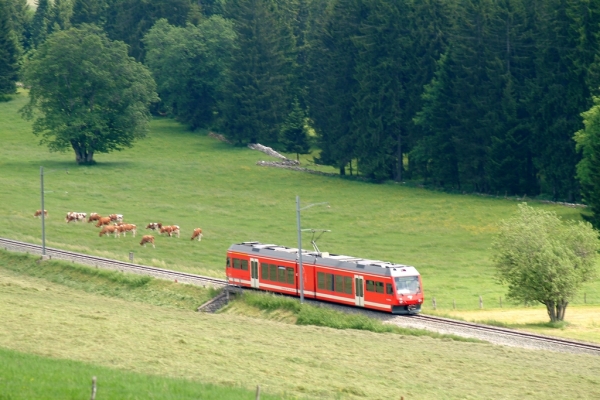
x,y
407,285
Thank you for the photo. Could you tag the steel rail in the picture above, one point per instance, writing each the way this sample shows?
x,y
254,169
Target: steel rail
x,y
100,262
184,277
508,332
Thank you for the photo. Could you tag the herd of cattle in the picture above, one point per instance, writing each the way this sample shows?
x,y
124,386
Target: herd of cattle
x,y
113,224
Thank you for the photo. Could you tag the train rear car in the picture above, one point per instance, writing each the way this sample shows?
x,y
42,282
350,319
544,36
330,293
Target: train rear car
x,y
373,284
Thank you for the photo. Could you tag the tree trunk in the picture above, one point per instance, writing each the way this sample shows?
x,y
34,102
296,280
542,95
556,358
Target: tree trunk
x,y
400,164
82,156
342,170
556,310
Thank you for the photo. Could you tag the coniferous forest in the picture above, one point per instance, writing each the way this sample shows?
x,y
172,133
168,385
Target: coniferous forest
x,y
466,95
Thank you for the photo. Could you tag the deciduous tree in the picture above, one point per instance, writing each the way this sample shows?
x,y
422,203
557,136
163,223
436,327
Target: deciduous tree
x,y
543,259
87,93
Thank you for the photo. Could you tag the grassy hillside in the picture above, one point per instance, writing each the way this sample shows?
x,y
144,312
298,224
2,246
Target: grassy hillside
x,y
187,178
56,322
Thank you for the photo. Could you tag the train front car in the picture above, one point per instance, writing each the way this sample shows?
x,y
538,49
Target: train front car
x,y
408,292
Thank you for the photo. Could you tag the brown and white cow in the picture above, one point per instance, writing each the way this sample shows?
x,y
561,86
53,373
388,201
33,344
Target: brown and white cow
x,y
124,228
103,221
116,217
75,216
197,234
38,213
108,229
170,230
154,226
147,239
94,217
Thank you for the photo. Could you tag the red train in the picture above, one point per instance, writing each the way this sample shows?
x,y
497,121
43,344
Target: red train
x,y
342,279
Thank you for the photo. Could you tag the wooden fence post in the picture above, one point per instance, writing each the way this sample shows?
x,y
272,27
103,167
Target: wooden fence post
x,y
93,388
433,301
257,392
480,302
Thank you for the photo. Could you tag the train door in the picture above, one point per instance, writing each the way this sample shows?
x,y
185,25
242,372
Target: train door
x,y
254,273
359,291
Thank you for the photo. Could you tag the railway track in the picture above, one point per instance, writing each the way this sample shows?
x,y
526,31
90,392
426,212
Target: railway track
x,y
497,335
505,335
100,262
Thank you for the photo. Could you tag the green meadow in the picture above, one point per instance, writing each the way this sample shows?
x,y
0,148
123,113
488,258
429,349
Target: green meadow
x,y
64,325
176,176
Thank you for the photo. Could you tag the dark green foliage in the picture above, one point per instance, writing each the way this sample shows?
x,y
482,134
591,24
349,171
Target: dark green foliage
x,y
332,61
60,17
89,12
588,169
90,95
383,67
560,91
294,135
190,66
257,97
40,23
21,15
9,52
129,20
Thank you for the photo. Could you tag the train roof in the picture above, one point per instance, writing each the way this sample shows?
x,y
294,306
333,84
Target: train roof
x,y
359,265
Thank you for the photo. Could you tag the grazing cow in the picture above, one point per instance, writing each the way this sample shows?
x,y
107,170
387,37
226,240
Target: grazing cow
x,y
154,226
124,228
75,216
94,217
108,229
197,234
170,230
38,213
147,239
103,221
116,217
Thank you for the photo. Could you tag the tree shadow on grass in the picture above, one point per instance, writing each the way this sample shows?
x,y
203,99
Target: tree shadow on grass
x,y
50,165
534,325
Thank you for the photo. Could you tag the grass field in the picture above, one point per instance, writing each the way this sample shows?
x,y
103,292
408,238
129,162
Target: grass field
x,y
73,334
186,178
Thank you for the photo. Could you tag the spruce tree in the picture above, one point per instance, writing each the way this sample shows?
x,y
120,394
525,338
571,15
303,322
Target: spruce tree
x,y
294,135
9,52
39,24
588,169
567,44
382,69
60,16
89,12
21,16
332,82
258,95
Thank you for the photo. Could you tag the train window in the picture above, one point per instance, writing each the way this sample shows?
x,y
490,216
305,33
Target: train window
x,y
370,286
379,287
320,280
348,285
329,282
264,271
339,283
245,265
237,263
290,275
281,274
389,289
273,272
228,262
